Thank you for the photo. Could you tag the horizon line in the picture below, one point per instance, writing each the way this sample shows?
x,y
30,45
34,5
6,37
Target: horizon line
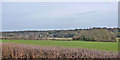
x,y
55,29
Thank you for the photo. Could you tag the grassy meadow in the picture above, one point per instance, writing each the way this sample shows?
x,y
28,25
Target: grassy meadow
x,y
107,46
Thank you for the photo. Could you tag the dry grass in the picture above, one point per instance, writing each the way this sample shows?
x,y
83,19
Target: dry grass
x,y
12,50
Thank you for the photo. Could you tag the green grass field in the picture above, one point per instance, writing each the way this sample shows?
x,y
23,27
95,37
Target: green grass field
x,y
107,46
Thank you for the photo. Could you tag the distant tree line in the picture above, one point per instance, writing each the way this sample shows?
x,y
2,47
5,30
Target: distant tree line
x,y
93,34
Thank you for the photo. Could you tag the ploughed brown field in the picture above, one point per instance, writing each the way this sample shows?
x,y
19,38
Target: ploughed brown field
x,y
13,50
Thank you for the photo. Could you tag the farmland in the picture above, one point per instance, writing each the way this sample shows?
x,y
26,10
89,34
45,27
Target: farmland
x,y
106,46
78,43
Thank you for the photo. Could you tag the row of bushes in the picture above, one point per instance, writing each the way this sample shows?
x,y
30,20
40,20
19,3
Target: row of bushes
x,y
10,50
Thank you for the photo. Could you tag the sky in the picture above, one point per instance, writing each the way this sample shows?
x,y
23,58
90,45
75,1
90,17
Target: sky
x,y
58,15
60,0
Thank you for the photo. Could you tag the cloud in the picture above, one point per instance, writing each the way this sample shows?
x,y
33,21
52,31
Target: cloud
x,y
87,13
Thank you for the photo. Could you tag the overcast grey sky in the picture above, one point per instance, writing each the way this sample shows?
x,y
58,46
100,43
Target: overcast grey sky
x,y
45,16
